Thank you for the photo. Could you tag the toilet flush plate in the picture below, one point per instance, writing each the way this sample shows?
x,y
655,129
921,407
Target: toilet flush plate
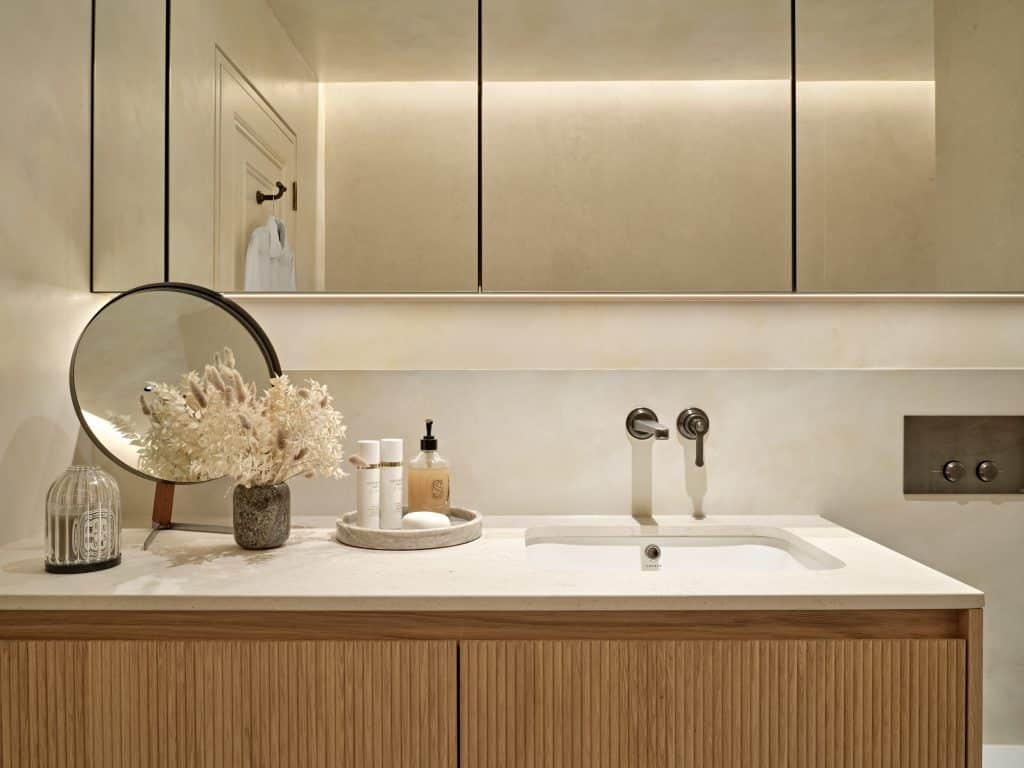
x,y
963,454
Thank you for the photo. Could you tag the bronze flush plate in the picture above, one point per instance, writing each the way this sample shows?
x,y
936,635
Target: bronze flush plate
x,y
963,454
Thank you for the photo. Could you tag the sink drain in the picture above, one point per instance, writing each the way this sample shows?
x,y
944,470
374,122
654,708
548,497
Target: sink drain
x,y
650,558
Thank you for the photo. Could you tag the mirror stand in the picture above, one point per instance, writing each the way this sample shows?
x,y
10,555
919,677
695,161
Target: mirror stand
x,y
163,503
163,506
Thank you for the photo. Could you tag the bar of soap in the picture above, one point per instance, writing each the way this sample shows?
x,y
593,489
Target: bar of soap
x,y
421,520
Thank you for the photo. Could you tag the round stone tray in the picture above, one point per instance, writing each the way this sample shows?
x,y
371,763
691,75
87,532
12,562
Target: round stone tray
x,y
466,527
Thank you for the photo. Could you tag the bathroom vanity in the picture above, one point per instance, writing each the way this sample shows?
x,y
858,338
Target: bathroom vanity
x,y
515,650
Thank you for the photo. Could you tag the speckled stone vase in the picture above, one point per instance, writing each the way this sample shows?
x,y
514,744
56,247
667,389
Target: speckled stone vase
x,y
263,516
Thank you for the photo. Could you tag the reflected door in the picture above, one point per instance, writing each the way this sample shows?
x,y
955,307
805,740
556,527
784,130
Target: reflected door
x,y
637,145
255,150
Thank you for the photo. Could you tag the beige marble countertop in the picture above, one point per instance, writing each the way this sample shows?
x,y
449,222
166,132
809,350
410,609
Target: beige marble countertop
x,y
201,571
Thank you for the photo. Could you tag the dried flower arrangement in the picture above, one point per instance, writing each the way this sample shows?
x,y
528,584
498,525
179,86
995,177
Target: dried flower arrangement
x,y
217,425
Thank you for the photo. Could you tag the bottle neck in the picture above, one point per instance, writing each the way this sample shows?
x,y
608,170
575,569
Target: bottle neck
x,y
429,458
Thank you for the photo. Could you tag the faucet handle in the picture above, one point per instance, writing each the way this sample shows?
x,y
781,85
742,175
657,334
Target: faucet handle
x,y
694,424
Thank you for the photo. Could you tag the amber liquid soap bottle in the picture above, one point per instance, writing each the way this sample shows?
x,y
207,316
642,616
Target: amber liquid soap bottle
x,y
429,477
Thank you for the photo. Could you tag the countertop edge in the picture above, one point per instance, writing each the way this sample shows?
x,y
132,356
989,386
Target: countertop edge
x,y
152,603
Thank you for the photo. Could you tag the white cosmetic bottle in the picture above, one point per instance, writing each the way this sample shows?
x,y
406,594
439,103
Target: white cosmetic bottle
x,y
368,485
392,488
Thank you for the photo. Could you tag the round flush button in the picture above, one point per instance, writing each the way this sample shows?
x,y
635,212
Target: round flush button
x,y
954,471
987,471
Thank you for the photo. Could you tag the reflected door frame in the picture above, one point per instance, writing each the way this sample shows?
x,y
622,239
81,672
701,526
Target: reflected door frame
x,y
253,143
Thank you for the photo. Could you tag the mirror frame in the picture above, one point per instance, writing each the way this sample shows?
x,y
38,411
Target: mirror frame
x,y
196,291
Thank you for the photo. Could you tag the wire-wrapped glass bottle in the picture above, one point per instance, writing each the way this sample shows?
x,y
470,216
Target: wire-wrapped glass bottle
x,y
83,521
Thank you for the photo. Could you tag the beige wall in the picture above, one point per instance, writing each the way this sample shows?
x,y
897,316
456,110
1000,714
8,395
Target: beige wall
x,y
250,36
788,332
675,186
866,187
635,40
980,133
384,40
866,40
400,187
128,159
910,154
44,223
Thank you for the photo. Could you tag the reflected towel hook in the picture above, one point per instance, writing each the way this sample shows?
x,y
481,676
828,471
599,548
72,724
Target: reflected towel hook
x,y
262,197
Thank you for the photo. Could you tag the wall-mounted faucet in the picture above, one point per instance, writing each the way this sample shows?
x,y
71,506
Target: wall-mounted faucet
x,y
642,423
693,424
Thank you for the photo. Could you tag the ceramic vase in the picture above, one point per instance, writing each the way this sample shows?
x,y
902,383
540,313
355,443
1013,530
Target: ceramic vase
x,y
262,516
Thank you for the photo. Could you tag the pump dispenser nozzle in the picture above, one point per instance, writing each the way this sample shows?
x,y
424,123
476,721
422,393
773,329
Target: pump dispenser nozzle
x,y
428,441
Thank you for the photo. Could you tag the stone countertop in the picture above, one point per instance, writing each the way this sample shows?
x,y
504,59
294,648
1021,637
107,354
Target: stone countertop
x,y
202,571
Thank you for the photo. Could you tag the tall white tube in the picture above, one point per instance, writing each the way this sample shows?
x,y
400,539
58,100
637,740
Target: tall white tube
x,y
368,485
392,487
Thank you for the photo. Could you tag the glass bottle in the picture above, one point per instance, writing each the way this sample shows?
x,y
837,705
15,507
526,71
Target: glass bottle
x,y
83,521
429,477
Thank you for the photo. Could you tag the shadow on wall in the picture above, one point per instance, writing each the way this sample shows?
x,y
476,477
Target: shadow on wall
x,y
31,461
695,480
642,474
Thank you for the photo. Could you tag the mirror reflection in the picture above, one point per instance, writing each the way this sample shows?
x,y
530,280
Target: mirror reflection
x,y
142,339
530,146
637,145
365,113
910,146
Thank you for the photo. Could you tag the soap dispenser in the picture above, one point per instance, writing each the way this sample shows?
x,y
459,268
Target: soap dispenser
x,y
429,477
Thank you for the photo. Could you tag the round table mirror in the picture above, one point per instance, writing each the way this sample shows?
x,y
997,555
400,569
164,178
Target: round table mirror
x,y
156,334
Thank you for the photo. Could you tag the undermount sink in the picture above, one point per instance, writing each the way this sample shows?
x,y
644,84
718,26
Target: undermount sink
x,y
697,549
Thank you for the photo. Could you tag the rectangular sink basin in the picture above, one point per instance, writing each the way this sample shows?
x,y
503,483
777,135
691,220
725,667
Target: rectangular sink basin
x,y
700,549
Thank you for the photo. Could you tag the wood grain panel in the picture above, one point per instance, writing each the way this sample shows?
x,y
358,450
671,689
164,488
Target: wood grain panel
x,y
973,624
42,704
749,703
480,625
227,703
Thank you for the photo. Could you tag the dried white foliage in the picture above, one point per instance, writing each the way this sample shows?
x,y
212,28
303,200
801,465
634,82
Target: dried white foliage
x,y
217,425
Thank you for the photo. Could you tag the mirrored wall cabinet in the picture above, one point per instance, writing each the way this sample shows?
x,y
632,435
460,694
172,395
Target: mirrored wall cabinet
x,y
559,146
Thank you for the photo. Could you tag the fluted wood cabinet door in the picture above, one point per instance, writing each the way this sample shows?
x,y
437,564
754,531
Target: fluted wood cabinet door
x,y
227,703
729,703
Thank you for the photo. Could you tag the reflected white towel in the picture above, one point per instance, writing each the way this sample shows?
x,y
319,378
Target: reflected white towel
x,y
269,261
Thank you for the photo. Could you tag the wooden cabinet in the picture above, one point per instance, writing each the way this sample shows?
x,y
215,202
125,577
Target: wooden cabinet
x,y
708,703
109,703
587,689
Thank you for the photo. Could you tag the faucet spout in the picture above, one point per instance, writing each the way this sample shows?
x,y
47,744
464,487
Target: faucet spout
x,y
643,424
660,431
